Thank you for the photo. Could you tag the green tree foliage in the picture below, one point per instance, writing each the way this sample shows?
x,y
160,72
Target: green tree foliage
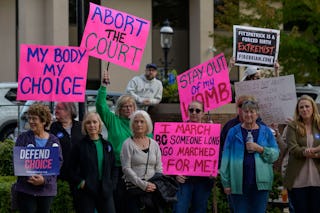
x,y
6,158
299,52
299,49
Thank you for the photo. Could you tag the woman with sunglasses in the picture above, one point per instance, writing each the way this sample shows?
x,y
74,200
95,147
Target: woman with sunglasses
x,y
194,191
246,167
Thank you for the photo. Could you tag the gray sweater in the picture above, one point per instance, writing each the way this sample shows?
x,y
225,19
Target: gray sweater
x,y
133,161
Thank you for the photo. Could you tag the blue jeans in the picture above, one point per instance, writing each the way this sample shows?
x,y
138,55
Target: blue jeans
x,y
305,199
251,200
193,195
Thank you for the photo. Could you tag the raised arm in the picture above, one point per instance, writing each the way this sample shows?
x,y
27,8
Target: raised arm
x,y
101,102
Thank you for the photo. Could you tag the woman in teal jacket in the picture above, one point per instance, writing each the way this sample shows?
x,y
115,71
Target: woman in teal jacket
x,y
246,167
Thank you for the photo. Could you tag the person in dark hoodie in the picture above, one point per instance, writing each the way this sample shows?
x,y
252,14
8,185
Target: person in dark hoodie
x,y
68,130
92,166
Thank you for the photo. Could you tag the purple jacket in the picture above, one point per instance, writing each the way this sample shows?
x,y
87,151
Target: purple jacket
x,y
50,186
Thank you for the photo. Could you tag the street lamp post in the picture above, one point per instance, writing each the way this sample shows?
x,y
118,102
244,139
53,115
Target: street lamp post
x,y
166,34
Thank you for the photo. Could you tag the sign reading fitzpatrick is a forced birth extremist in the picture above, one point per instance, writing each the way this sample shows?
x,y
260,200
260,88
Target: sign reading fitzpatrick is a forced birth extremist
x,y
52,73
208,83
115,36
188,148
29,161
255,46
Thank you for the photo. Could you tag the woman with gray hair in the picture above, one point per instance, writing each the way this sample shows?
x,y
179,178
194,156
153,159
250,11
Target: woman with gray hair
x,y
68,130
246,166
141,159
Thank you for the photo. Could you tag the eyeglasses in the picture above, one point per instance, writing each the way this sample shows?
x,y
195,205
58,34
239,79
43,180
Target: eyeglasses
x,y
32,118
127,106
191,110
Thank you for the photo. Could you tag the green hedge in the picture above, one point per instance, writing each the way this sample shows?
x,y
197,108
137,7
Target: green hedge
x,y
62,202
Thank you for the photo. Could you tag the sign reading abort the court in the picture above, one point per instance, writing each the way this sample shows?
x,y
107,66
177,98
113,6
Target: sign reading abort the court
x,y
188,148
115,36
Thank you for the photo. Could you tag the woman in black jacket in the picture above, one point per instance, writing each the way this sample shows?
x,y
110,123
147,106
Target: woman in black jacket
x,y
68,130
92,165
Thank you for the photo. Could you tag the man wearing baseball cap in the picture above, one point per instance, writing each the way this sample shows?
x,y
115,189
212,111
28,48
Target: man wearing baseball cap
x,y
146,89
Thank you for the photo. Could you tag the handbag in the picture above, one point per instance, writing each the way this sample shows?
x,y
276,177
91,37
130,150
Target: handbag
x,y
133,189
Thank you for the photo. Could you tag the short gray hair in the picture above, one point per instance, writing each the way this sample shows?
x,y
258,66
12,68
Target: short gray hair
x,y
250,105
71,108
146,116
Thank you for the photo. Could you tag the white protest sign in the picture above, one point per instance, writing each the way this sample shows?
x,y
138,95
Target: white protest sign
x,y
276,97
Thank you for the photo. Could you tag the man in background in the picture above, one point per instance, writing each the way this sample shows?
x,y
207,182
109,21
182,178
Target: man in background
x,y
146,89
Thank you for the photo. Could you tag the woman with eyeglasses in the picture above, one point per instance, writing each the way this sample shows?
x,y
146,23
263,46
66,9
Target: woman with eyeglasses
x,y
36,192
246,168
119,130
193,192
302,175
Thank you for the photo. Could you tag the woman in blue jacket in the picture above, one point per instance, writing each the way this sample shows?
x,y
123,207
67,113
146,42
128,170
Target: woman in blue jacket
x,y
246,167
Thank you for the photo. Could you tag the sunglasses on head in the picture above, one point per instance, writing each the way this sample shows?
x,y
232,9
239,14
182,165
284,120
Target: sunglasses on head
x,y
191,110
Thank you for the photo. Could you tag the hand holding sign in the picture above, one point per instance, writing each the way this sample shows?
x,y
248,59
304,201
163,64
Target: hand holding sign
x,y
106,77
36,180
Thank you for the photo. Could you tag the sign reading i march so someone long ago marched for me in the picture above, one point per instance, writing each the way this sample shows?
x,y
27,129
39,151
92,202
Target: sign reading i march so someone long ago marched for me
x,y
115,36
52,73
208,83
188,148
255,46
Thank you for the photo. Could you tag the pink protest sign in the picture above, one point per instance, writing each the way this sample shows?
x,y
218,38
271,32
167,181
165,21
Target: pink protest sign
x,y
115,36
208,83
188,148
52,73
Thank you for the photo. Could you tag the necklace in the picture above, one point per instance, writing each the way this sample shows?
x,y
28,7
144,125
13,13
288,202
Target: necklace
x,y
141,142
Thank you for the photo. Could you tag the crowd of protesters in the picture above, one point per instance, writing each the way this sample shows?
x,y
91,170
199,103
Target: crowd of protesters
x,y
124,173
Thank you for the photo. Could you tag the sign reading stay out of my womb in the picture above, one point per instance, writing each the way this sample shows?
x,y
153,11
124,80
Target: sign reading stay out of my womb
x,y
52,73
208,83
188,148
276,97
255,46
115,36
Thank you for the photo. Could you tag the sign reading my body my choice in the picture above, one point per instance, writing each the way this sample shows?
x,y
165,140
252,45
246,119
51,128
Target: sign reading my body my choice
x,y
115,36
208,83
188,148
30,161
52,73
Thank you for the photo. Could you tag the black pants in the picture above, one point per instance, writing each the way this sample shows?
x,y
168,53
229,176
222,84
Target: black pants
x,y
34,204
119,195
150,202
88,203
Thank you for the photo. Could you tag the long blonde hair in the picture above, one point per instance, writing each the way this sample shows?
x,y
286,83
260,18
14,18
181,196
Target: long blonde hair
x,y
297,119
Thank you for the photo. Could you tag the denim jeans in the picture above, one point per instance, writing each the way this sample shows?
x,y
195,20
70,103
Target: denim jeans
x,y
251,200
305,199
193,195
